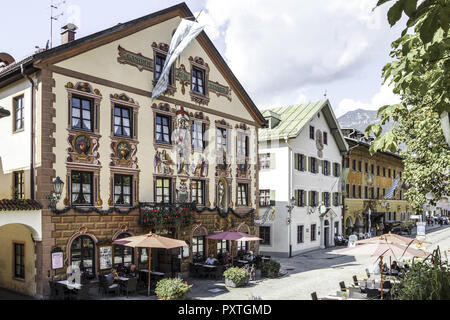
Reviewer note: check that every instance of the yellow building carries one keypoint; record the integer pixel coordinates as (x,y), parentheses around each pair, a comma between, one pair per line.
(374,187)
(83,112)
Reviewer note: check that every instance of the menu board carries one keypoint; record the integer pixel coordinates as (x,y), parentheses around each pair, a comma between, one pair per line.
(105,257)
(57,260)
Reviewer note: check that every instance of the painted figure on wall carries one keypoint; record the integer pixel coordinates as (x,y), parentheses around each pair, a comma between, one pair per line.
(181,137)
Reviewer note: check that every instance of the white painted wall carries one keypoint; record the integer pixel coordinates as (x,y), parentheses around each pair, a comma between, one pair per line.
(14,147)
(278,179)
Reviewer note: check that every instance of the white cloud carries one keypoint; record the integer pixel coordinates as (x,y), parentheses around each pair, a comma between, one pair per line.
(383,97)
(279,49)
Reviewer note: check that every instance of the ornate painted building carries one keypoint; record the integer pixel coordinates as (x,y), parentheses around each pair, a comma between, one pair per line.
(83,112)
(369,181)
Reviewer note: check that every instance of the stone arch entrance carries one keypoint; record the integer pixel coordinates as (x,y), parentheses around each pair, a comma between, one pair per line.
(17,258)
(82,250)
(348,226)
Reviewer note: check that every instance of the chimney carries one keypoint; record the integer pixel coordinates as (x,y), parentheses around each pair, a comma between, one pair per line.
(68,33)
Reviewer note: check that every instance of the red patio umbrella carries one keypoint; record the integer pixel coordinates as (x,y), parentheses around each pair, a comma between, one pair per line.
(233,235)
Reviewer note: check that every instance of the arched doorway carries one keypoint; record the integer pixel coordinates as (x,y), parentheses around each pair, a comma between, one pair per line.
(358,224)
(348,226)
(17,258)
(326,230)
(82,254)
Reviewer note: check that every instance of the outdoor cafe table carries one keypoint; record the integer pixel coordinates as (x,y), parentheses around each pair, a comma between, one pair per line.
(210,266)
(154,273)
(71,286)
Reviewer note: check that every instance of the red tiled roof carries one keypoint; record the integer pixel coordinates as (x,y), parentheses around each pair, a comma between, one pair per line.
(19,205)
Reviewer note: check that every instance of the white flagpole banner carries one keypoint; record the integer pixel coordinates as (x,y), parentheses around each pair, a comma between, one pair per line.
(186,32)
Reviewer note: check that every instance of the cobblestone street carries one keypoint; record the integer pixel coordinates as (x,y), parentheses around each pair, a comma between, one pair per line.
(317,271)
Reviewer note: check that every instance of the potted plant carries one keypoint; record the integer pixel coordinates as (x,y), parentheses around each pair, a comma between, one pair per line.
(172,289)
(236,277)
(270,268)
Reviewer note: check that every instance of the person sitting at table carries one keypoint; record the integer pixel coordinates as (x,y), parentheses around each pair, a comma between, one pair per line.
(113,276)
(211,260)
(227,258)
(395,268)
(133,272)
(250,257)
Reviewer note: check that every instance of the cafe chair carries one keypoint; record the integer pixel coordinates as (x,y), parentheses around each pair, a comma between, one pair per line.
(373,294)
(314,296)
(108,287)
(218,272)
(130,286)
(193,270)
(83,293)
(343,287)
(56,291)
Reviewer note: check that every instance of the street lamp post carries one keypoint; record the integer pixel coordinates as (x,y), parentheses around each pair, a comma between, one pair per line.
(290,206)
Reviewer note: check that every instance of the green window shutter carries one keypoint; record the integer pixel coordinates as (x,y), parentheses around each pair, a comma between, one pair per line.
(272,161)
(296,161)
(272,197)
(310,197)
(304,197)
(309,164)
(296,198)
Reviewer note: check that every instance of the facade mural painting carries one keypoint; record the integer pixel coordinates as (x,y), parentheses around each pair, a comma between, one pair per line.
(182,139)
(163,163)
(319,143)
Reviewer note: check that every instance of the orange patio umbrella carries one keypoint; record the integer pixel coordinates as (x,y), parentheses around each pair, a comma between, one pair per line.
(150,241)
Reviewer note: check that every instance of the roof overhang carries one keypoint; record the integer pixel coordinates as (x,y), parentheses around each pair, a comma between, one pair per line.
(4,113)
(334,127)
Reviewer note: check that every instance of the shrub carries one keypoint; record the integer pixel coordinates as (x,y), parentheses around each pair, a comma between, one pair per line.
(237,275)
(172,289)
(271,268)
(428,279)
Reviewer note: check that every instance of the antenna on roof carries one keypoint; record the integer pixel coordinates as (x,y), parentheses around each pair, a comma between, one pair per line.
(325,94)
(54,6)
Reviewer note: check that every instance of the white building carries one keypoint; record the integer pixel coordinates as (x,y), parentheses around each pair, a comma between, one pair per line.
(300,159)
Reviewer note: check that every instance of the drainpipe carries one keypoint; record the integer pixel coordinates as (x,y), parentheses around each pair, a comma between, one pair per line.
(290,194)
(32,131)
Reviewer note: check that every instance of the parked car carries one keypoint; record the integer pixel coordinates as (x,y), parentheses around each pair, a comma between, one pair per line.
(444,220)
(340,241)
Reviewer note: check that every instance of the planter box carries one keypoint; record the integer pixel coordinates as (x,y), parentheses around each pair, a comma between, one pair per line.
(231,284)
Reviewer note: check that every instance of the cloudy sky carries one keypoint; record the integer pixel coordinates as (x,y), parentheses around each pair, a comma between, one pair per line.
(284,52)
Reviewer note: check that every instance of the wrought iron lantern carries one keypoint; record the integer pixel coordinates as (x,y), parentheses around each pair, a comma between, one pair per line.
(58,186)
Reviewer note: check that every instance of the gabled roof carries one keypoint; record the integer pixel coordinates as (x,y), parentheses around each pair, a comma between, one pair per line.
(295,117)
(13,72)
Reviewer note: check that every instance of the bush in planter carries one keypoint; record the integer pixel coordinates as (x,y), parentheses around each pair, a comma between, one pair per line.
(237,276)
(271,268)
(172,289)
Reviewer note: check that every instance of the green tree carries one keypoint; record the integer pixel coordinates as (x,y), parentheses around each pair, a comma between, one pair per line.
(419,71)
